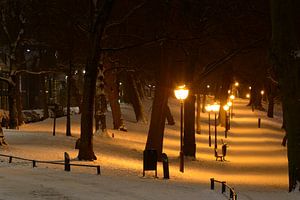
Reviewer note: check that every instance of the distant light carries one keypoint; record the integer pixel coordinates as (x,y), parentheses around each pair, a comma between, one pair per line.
(120,83)
(75,72)
(119,100)
(150,85)
(28,50)
(229,103)
(83,71)
(229,91)
(226,107)
(236,84)
(66,77)
(248,96)
(208,86)
(262,92)
(232,97)
(208,108)
(250,87)
(46,91)
(215,107)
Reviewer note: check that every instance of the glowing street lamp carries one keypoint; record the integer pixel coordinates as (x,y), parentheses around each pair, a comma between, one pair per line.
(208,108)
(215,109)
(236,84)
(181,93)
(247,95)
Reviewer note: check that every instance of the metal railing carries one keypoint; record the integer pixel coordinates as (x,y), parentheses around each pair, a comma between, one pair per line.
(67,163)
(232,194)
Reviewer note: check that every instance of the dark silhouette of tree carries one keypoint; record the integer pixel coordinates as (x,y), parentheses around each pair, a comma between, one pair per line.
(285,55)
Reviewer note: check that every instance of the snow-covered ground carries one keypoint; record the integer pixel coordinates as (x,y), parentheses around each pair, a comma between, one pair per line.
(256,163)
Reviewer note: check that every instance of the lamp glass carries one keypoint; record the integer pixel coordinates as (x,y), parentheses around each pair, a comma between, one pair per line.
(181,92)
(208,108)
(226,107)
(215,107)
(229,103)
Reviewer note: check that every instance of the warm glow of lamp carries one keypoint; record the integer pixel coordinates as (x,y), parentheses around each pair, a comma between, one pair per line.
(208,86)
(181,92)
(250,87)
(236,84)
(226,107)
(215,107)
(229,91)
(232,97)
(208,108)
(229,103)
(262,92)
(248,96)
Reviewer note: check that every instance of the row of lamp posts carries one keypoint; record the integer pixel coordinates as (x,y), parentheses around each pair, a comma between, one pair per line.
(181,93)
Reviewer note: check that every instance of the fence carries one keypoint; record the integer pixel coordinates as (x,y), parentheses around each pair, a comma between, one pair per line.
(67,163)
(232,194)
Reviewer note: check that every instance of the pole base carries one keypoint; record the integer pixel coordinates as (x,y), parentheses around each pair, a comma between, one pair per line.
(181,167)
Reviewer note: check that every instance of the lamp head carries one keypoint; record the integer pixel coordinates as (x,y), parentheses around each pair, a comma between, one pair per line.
(181,92)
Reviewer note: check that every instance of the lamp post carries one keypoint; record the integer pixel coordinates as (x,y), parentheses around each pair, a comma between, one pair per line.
(226,108)
(229,103)
(208,108)
(181,93)
(215,109)
(232,97)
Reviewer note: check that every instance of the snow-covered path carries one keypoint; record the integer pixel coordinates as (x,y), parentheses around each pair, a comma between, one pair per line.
(256,163)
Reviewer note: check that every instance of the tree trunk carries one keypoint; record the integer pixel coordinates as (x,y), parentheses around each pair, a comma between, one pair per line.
(159,106)
(256,97)
(135,98)
(100,102)
(198,119)
(189,147)
(44,98)
(68,123)
(169,116)
(12,104)
(101,15)
(285,45)
(19,100)
(112,91)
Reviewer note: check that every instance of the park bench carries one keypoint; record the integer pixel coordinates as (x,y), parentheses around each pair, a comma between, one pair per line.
(224,152)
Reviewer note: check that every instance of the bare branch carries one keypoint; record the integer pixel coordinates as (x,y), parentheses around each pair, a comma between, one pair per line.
(126,16)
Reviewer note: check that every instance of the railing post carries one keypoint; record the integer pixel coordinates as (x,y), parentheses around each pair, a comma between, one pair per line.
(10,159)
(223,187)
(33,163)
(212,183)
(259,122)
(67,162)
(98,170)
(230,194)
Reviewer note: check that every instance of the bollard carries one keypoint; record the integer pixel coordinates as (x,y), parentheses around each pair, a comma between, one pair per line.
(67,162)
(165,161)
(259,121)
(33,163)
(98,170)
(223,187)
(212,183)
